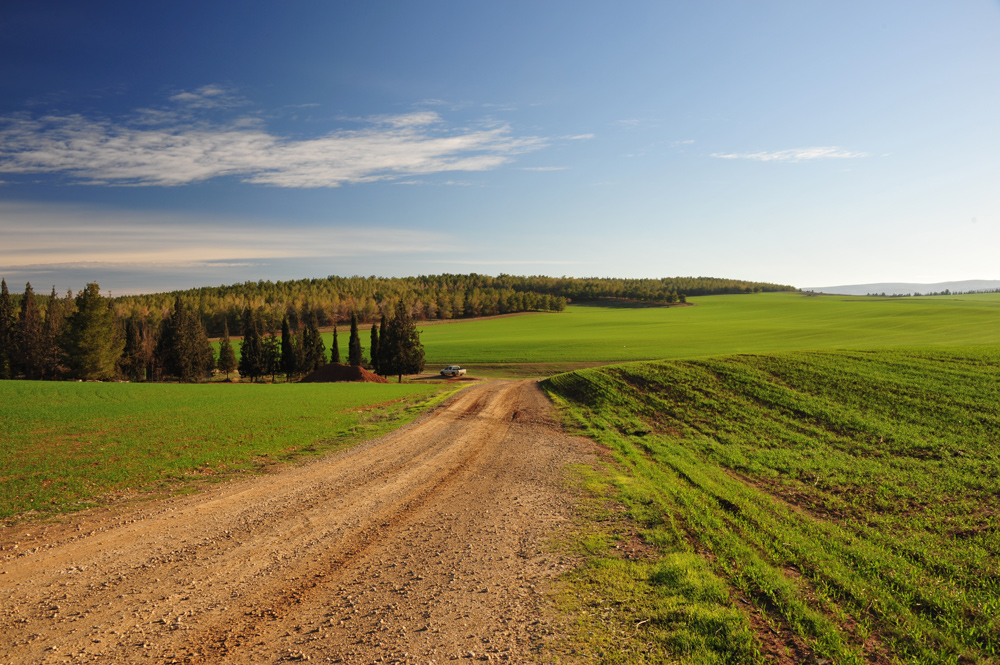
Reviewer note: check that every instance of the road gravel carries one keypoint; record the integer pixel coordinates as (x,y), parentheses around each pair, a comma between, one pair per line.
(428,545)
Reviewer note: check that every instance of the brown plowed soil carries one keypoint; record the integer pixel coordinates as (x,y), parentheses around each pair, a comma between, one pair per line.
(427,545)
(337,372)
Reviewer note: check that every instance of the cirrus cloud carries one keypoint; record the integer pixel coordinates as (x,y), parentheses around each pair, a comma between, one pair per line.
(175,150)
(795,154)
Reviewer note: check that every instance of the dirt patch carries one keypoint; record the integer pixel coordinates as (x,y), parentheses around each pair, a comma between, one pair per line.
(428,544)
(336,372)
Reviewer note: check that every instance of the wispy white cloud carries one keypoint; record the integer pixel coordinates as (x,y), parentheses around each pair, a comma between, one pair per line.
(209,97)
(795,154)
(38,235)
(167,147)
(684,142)
(579,137)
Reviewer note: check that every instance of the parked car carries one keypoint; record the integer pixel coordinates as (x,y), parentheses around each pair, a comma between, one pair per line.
(452,370)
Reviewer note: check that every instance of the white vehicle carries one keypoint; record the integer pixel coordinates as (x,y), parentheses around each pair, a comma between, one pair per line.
(452,370)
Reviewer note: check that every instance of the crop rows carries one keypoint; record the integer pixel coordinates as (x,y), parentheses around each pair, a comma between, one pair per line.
(851,496)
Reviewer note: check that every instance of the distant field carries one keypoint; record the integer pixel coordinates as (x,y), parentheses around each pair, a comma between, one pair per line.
(717,325)
(68,445)
(850,498)
(553,342)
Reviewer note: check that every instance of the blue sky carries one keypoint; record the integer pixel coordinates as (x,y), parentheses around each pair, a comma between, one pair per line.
(153,146)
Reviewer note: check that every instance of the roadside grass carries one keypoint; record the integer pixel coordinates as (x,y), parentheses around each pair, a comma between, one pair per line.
(850,498)
(66,446)
(638,597)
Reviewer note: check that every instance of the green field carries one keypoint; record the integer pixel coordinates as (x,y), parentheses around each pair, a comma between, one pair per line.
(850,498)
(716,325)
(547,342)
(64,446)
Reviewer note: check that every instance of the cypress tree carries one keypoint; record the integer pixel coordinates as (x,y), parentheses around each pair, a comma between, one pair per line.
(335,351)
(92,340)
(380,359)
(227,357)
(354,354)
(30,349)
(132,361)
(251,349)
(287,350)
(373,351)
(184,350)
(52,330)
(8,329)
(271,351)
(402,352)
(313,348)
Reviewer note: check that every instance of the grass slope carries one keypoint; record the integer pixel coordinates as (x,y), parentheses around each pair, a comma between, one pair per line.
(64,446)
(851,497)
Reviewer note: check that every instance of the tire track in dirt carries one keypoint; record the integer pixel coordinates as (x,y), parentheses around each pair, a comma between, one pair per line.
(423,545)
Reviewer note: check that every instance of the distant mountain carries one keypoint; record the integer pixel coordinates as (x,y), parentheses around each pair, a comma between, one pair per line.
(904,288)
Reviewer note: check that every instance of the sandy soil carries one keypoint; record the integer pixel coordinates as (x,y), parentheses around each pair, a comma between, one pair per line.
(427,545)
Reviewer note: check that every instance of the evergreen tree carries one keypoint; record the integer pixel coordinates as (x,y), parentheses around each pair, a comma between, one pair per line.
(184,350)
(313,348)
(92,341)
(227,357)
(380,360)
(132,363)
(335,351)
(30,342)
(354,353)
(251,349)
(8,332)
(52,331)
(373,351)
(271,350)
(288,354)
(402,352)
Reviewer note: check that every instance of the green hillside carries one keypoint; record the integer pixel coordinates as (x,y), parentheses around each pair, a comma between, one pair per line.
(716,325)
(851,498)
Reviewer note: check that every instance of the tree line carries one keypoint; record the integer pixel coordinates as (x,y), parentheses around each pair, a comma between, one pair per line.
(85,338)
(448,296)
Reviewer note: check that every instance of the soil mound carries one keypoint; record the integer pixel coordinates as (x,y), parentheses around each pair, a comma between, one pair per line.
(337,372)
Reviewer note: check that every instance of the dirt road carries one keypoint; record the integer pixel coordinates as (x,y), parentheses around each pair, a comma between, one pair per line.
(422,546)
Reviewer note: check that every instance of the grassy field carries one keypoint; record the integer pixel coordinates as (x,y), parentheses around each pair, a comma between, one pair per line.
(64,446)
(716,325)
(545,343)
(847,501)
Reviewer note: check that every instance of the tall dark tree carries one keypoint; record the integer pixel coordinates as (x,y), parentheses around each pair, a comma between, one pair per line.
(252,347)
(373,350)
(227,357)
(335,350)
(92,340)
(132,362)
(402,352)
(313,347)
(380,359)
(183,350)
(30,340)
(52,331)
(354,354)
(288,354)
(271,350)
(8,332)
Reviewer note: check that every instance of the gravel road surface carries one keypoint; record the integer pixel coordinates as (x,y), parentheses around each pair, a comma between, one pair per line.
(428,545)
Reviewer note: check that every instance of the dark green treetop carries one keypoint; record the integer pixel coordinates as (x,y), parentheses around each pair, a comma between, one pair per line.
(92,342)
